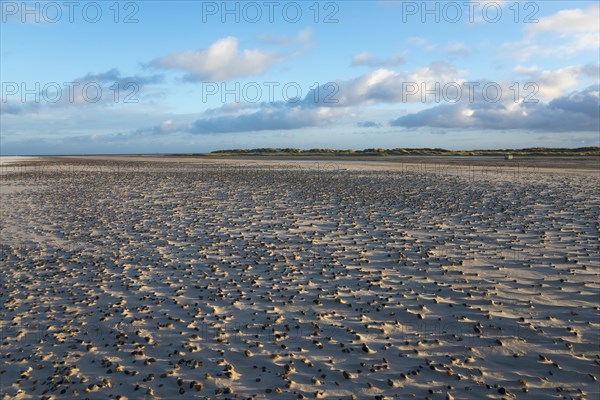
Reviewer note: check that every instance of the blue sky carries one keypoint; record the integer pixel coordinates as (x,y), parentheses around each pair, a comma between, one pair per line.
(192,76)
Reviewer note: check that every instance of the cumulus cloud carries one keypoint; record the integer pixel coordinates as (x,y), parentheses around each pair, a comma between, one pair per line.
(112,86)
(17,108)
(264,117)
(222,60)
(585,102)
(113,76)
(457,49)
(568,21)
(368,124)
(329,103)
(421,42)
(102,88)
(320,107)
(576,112)
(565,33)
(166,127)
(523,70)
(367,59)
(384,86)
(304,37)
(554,83)
(417,40)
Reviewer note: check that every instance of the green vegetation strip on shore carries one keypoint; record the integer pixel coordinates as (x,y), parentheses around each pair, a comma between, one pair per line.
(534,151)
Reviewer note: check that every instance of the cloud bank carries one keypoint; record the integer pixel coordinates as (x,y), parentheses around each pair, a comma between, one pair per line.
(578,111)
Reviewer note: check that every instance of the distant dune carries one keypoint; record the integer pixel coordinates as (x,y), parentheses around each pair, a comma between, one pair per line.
(534,151)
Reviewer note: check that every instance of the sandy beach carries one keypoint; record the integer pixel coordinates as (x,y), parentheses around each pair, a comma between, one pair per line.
(9,160)
(158,277)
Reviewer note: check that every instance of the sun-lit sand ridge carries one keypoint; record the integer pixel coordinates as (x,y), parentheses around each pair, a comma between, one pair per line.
(8,160)
(219,279)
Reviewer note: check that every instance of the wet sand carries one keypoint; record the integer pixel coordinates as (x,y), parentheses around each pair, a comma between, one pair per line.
(159,277)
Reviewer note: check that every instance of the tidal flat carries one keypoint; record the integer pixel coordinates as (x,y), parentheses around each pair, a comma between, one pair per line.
(159,277)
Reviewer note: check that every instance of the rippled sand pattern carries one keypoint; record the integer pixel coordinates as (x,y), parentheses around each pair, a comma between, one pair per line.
(229,280)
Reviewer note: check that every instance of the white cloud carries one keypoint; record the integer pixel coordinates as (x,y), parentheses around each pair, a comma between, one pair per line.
(523,70)
(568,21)
(220,61)
(565,33)
(109,88)
(304,37)
(387,86)
(417,40)
(367,59)
(457,49)
(264,117)
(479,5)
(576,112)
(168,126)
(368,124)
(421,42)
(379,86)
(555,83)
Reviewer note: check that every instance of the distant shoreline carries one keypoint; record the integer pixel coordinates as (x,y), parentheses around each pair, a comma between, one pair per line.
(423,152)
(593,151)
